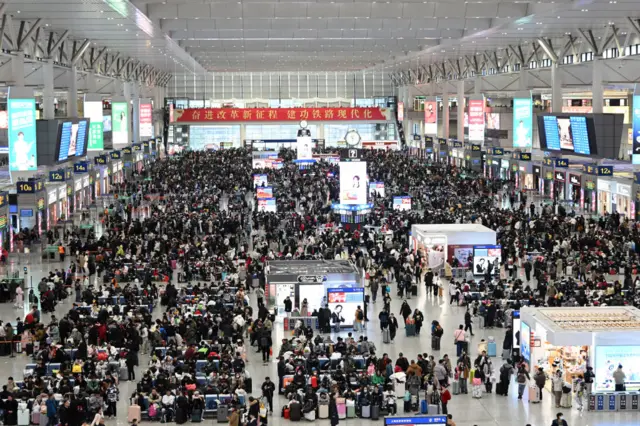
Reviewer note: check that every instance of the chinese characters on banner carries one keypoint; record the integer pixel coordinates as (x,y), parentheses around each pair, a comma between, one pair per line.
(476,119)
(146,121)
(280,114)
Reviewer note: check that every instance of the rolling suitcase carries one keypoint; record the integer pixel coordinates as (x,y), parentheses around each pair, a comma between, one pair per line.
(366,411)
(491,349)
(35,417)
(414,290)
(375,412)
(134,413)
(433,409)
(222,414)
(455,387)
(386,336)
(44,420)
(23,415)
(410,329)
(351,409)
(323,411)
(435,343)
(407,406)
(534,394)
(424,407)
(342,408)
(310,416)
(196,416)
(124,374)
(295,412)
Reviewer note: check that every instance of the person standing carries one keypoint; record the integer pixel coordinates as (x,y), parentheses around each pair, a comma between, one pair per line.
(393,327)
(374,289)
(418,318)
(618,377)
(52,411)
(556,386)
(268,389)
(333,411)
(357,320)
(265,345)
(234,418)
(522,378)
(559,421)
(459,340)
(589,376)
(540,378)
(445,397)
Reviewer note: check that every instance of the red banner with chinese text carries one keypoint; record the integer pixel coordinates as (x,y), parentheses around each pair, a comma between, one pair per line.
(280,114)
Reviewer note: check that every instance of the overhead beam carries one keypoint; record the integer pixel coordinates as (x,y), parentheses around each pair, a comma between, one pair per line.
(635,24)
(55,45)
(114,60)
(121,67)
(94,62)
(568,45)
(546,46)
(29,33)
(83,48)
(590,39)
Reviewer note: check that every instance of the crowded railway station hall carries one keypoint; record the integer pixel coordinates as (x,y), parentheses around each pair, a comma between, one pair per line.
(349,212)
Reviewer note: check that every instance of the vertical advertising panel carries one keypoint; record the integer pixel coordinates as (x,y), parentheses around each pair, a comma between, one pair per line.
(522,123)
(304,147)
(431,117)
(146,121)
(400,111)
(93,111)
(22,135)
(476,119)
(120,123)
(353,182)
(635,123)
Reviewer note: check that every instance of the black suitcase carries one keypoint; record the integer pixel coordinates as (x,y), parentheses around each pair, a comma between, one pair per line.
(295,412)
(435,343)
(375,412)
(196,416)
(407,406)
(248,385)
(414,290)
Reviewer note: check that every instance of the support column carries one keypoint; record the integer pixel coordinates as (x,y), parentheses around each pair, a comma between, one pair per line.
(72,93)
(596,88)
(48,95)
(127,89)
(17,69)
(461,108)
(556,89)
(523,82)
(445,111)
(135,98)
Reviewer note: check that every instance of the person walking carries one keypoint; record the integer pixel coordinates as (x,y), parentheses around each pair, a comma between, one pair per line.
(618,377)
(453,293)
(459,340)
(393,327)
(556,387)
(522,378)
(268,389)
(418,318)
(468,321)
(358,319)
(540,378)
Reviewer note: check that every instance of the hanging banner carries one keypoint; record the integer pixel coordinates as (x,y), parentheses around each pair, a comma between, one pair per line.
(93,111)
(146,121)
(281,114)
(635,157)
(22,135)
(431,117)
(120,123)
(522,121)
(400,111)
(476,119)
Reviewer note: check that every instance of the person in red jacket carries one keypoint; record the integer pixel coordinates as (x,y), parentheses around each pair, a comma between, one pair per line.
(445,397)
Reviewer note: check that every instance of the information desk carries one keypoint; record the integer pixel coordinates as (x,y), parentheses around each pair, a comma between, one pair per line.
(415,420)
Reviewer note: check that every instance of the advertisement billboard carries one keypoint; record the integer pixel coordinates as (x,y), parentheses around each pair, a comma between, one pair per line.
(525,342)
(430,118)
(304,147)
(402,202)
(486,259)
(400,111)
(353,182)
(22,135)
(476,120)
(146,121)
(260,180)
(264,192)
(522,123)
(93,111)
(120,123)
(376,188)
(267,205)
(344,302)
(635,125)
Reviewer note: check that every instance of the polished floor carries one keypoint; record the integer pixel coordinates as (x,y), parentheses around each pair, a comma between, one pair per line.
(466,411)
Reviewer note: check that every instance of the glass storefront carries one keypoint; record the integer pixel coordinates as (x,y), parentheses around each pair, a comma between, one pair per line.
(624,206)
(368,132)
(605,198)
(212,137)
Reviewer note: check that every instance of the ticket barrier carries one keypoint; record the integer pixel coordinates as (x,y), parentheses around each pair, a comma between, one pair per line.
(614,401)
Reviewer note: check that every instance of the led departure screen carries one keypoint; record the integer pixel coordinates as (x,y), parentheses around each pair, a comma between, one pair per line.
(566,133)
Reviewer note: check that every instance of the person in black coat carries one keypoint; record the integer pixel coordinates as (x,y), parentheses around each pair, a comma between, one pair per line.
(131,361)
(182,408)
(10,411)
(333,411)
(65,413)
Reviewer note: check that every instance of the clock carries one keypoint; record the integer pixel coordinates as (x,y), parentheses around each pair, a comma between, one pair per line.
(352,138)
(303,124)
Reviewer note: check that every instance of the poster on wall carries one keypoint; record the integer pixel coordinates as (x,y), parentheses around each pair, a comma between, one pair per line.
(304,148)
(93,111)
(400,111)
(525,341)
(260,180)
(353,182)
(120,123)
(267,205)
(515,329)
(486,259)
(22,135)
(522,122)
(431,117)
(146,121)
(607,360)
(635,124)
(344,302)
(476,120)
(402,202)
(461,253)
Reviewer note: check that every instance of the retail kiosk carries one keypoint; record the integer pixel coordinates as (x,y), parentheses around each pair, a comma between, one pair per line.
(312,280)
(572,338)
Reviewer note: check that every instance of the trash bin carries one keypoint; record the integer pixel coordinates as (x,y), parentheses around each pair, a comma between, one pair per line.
(594,401)
(633,401)
(611,401)
(624,401)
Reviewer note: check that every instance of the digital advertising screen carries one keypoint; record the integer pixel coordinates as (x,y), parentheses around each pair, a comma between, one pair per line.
(267,205)
(415,420)
(264,192)
(607,360)
(571,134)
(635,130)
(22,135)
(106,123)
(476,120)
(345,301)
(493,120)
(353,182)
(431,117)
(522,123)
(120,123)
(525,341)
(486,258)
(400,111)
(402,202)
(146,121)
(515,328)
(260,180)
(93,111)
(72,139)
(304,148)
(377,188)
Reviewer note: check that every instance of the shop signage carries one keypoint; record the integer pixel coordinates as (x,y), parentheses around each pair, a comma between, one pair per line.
(90,180)
(504,164)
(69,190)
(77,185)
(85,181)
(495,162)
(548,175)
(604,185)
(26,187)
(525,156)
(137,148)
(100,160)
(468,157)
(41,204)
(457,144)
(3,222)
(442,141)
(115,155)
(417,138)
(598,170)
(312,279)
(590,184)
(126,150)
(283,114)
(624,190)
(559,176)
(80,167)
(475,147)
(562,162)
(498,151)
(351,154)
(428,139)
(514,167)
(67,174)
(56,176)
(574,180)
(547,162)
(145,144)
(4,197)
(51,196)
(400,111)
(536,170)
(62,191)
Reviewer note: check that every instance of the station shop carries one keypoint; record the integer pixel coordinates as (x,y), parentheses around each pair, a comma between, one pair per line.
(570,339)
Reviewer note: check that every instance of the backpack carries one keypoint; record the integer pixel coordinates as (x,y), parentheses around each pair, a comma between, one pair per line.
(439,331)
(360,315)
(264,342)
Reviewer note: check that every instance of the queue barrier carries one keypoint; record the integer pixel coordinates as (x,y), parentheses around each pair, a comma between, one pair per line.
(289,323)
(613,401)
